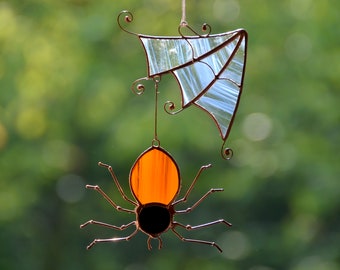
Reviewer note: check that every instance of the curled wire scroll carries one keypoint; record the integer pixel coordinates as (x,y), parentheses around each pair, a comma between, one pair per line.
(124,17)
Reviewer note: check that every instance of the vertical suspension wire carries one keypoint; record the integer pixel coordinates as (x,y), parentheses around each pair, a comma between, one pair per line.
(183,19)
(155,141)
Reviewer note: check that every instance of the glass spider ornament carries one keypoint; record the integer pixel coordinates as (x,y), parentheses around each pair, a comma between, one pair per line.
(155,183)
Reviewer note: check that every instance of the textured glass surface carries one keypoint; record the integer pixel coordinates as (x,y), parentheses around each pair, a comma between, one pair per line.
(220,101)
(208,69)
(193,80)
(155,177)
(166,54)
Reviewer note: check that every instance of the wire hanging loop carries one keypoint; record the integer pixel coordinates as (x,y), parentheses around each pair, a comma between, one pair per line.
(206,29)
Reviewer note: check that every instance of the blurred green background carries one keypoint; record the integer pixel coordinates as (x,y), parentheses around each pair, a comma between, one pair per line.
(65,103)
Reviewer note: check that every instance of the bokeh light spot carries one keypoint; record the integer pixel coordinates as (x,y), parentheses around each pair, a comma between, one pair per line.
(3,136)
(298,47)
(226,10)
(302,228)
(31,123)
(257,126)
(301,9)
(62,155)
(235,245)
(32,85)
(314,263)
(70,188)
(7,21)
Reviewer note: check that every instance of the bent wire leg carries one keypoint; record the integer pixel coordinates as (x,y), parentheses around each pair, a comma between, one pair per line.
(190,189)
(192,184)
(106,197)
(160,243)
(115,179)
(190,227)
(213,244)
(189,209)
(117,239)
(120,228)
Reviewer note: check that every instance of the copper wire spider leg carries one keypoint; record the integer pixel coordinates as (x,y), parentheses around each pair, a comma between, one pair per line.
(213,244)
(184,199)
(189,209)
(115,179)
(120,228)
(106,197)
(118,208)
(160,243)
(189,228)
(127,238)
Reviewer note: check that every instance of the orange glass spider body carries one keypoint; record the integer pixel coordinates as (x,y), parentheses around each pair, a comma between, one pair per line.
(155,184)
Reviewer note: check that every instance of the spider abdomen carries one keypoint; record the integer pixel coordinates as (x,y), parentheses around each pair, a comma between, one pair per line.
(154,219)
(154,178)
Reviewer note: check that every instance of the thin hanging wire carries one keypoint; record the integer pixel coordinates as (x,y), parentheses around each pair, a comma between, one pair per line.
(155,141)
(184,19)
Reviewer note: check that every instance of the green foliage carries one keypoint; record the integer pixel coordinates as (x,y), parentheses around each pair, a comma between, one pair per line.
(65,103)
